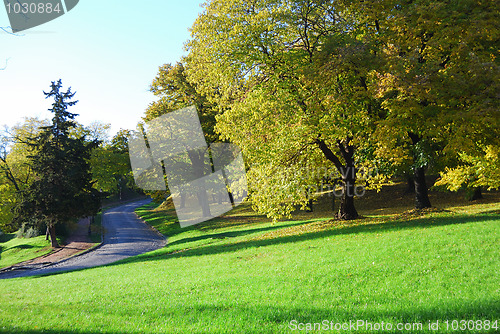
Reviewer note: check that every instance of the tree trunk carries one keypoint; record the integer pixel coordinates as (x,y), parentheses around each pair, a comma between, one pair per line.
(91,222)
(183,200)
(53,238)
(333,201)
(203,200)
(309,206)
(410,185)
(475,194)
(421,194)
(200,169)
(347,211)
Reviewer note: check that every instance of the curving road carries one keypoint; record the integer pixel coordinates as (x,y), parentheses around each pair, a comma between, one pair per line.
(125,235)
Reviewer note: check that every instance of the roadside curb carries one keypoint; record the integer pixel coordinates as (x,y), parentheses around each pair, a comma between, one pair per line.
(77,254)
(153,228)
(96,246)
(102,237)
(28,265)
(27,262)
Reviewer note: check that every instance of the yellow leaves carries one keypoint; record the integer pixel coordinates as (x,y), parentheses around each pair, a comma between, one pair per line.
(492,153)
(454,178)
(475,171)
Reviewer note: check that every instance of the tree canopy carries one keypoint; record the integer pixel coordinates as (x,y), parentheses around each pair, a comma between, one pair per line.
(295,78)
(61,189)
(345,84)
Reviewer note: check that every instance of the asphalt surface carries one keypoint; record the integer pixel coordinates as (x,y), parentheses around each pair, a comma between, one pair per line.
(125,235)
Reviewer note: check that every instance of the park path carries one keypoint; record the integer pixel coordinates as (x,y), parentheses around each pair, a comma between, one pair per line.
(125,235)
(77,242)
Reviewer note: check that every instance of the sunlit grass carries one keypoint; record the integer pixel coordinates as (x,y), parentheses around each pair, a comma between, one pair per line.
(236,275)
(14,250)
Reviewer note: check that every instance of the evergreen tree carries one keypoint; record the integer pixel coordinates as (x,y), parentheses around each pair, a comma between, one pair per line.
(62,188)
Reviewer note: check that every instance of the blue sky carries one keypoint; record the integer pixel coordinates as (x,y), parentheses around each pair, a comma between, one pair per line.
(107,51)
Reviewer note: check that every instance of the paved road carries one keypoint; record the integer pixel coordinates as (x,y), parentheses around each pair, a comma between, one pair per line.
(125,235)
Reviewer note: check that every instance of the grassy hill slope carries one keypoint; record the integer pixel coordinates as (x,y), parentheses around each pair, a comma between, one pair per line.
(242,273)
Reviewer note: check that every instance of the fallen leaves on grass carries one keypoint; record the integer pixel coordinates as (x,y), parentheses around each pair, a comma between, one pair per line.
(417,213)
(316,226)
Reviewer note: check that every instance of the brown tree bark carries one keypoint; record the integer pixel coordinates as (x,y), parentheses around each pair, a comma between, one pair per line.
(421,193)
(53,238)
(421,190)
(475,194)
(347,210)
(198,163)
(410,185)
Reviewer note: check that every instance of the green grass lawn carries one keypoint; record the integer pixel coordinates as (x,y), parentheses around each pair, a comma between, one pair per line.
(241,273)
(14,250)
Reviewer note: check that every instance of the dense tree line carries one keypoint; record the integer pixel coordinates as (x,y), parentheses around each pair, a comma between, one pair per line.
(313,91)
(54,172)
(404,87)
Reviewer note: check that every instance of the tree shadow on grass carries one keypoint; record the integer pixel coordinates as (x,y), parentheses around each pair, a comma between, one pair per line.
(490,212)
(221,235)
(165,219)
(7,237)
(222,248)
(22,247)
(425,222)
(169,226)
(234,234)
(268,317)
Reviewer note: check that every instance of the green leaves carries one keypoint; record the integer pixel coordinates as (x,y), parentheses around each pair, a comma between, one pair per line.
(15,171)
(109,169)
(61,189)
(376,74)
(474,171)
(176,91)
(285,73)
(439,72)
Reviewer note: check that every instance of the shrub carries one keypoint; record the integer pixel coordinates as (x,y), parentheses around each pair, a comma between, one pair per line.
(28,231)
(32,232)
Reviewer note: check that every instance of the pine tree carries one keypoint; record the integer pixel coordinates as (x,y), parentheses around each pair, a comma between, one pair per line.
(62,189)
